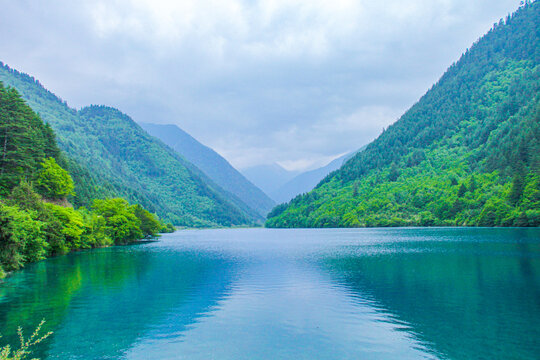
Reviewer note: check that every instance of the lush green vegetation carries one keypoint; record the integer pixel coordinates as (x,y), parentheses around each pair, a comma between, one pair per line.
(468,153)
(111,156)
(25,344)
(53,181)
(36,217)
(25,140)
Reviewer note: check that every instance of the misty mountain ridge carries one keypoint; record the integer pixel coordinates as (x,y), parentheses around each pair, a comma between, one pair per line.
(283,185)
(212,164)
(268,177)
(307,180)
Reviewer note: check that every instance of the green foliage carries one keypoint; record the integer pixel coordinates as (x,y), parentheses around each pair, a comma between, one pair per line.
(70,225)
(24,196)
(150,225)
(95,232)
(24,140)
(462,190)
(517,189)
(37,229)
(7,353)
(21,238)
(467,154)
(122,225)
(167,228)
(53,182)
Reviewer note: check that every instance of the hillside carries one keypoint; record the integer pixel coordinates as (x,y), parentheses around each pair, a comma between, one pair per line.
(212,164)
(123,160)
(467,153)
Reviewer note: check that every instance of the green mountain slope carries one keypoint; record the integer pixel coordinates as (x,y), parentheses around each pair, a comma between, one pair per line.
(123,160)
(213,165)
(467,153)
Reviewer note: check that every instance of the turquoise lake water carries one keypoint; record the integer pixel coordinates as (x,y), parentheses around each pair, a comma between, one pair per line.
(439,293)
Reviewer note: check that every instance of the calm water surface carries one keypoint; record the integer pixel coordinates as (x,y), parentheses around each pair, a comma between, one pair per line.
(288,294)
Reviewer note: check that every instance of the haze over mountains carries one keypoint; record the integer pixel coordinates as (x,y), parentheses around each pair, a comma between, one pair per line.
(269,177)
(307,180)
(282,185)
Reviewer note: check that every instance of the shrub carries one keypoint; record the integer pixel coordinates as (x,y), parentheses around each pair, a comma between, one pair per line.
(53,182)
(7,353)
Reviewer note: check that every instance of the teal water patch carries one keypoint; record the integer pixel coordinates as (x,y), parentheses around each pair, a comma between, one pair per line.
(279,294)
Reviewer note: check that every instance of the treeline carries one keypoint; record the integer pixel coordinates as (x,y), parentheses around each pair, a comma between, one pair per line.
(467,154)
(36,217)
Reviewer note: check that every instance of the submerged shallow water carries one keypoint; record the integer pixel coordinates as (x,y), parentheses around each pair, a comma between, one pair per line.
(444,293)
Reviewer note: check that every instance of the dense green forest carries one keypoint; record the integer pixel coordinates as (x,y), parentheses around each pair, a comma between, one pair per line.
(113,156)
(467,153)
(36,217)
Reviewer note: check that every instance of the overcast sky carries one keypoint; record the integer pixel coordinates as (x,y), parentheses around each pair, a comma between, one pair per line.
(287,81)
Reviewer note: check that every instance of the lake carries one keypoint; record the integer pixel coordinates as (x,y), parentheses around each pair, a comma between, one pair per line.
(404,293)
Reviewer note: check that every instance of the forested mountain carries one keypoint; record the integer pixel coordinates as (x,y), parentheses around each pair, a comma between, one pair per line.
(268,177)
(118,158)
(467,153)
(306,181)
(212,164)
(36,217)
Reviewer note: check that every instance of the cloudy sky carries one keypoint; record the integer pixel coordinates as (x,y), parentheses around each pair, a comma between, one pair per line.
(287,81)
